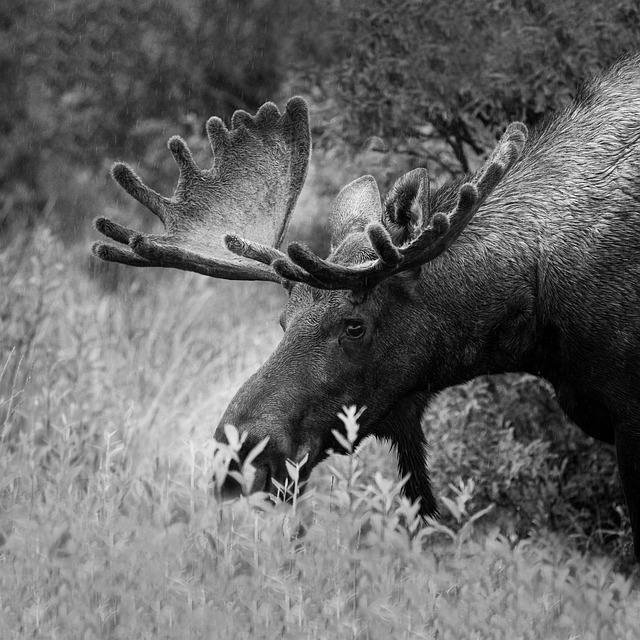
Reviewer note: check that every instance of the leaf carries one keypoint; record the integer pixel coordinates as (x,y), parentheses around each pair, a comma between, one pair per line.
(482,512)
(233,436)
(293,470)
(453,508)
(344,443)
(257,450)
(349,417)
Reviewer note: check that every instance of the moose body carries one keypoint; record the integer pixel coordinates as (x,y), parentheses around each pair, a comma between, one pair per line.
(535,269)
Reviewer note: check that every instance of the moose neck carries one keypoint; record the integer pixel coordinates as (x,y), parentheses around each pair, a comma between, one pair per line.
(482,298)
(510,285)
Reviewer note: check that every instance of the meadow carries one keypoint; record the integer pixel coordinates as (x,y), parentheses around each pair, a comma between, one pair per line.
(111,526)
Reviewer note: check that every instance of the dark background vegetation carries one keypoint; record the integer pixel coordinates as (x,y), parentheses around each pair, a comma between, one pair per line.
(87,82)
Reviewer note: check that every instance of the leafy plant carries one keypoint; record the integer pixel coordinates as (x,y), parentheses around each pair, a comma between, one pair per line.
(111,526)
(439,80)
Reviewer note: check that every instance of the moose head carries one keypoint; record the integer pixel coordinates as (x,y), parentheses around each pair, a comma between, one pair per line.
(367,326)
(534,273)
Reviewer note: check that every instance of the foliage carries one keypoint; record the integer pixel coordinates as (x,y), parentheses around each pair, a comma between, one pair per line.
(419,73)
(109,521)
(85,80)
(85,83)
(508,434)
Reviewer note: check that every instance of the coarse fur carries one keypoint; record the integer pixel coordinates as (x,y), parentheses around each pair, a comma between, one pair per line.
(545,279)
(531,265)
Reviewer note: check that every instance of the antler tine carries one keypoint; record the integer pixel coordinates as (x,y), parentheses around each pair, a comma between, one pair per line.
(293,273)
(252,250)
(516,133)
(114,230)
(326,272)
(112,253)
(127,178)
(442,231)
(383,245)
(390,258)
(506,152)
(259,167)
(163,255)
(187,167)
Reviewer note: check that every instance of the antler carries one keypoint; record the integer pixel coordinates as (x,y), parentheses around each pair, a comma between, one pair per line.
(258,172)
(302,265)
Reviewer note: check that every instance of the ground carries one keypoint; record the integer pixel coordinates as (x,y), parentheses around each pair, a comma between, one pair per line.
(110,526)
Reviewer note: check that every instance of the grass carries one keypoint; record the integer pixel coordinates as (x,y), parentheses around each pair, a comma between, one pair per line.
(110,526)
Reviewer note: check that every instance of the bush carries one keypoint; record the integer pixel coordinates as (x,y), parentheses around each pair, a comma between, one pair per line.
(109,521)
(89,81)
(509,435)
(456,72)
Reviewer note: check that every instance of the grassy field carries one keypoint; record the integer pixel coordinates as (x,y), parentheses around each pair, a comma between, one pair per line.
(110,528)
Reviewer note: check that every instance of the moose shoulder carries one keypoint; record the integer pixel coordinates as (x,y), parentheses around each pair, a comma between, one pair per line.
(531,265)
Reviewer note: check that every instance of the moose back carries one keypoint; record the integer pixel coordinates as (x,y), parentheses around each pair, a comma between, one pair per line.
(532,264)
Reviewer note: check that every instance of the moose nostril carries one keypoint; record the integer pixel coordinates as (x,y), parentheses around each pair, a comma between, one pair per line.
(262,479)
(230,489)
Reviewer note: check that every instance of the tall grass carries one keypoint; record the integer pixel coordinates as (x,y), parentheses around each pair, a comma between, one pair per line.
(109,522)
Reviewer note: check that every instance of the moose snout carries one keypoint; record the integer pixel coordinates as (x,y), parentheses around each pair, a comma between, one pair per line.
(232,488)
(279,468)
(272,432)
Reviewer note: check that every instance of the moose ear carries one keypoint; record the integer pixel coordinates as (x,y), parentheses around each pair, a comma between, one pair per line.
(357,205)
(406,206)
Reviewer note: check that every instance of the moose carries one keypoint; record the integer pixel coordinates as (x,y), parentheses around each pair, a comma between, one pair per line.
(532,264)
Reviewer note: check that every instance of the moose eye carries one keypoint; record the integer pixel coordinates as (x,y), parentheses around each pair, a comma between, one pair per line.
(354,329)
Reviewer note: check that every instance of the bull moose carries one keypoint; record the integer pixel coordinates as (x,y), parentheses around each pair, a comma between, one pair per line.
(532,264)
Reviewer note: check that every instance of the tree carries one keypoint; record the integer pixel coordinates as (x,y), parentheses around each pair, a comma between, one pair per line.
(457,70)
(85,81)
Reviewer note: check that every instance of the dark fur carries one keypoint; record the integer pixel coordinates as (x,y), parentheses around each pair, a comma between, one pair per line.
(545,279)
